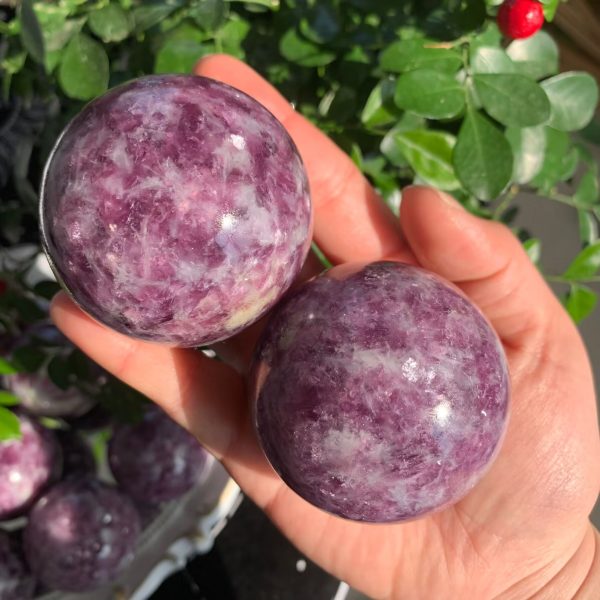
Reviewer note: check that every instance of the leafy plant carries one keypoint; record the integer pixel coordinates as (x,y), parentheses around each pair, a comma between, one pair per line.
(415,91)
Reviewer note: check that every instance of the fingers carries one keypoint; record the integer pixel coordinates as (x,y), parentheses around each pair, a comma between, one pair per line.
(483,257)
(352,223)
(203,395)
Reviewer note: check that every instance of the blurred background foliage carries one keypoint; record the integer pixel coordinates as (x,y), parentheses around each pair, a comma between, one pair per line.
(415,91)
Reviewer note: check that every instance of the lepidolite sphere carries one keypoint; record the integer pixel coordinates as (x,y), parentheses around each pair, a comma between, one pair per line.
(381,393)
(27,466)
(16,582)
(156,460)
(80,535)
(176,209)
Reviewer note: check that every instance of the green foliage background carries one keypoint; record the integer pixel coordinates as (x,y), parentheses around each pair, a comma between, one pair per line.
(414,90)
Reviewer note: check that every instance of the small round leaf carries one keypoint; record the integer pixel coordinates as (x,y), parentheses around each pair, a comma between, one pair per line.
(536,57)
(513,99)
(574,97)
(83,72)
(482,157)
(110,23)
(528,146)
(430,94)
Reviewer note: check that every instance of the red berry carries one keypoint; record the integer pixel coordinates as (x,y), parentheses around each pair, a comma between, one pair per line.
(3,287)
(519,19)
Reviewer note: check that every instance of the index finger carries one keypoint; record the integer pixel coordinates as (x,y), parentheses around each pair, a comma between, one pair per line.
(352,222)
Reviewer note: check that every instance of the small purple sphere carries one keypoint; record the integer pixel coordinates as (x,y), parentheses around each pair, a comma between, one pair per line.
(381,392)
(156,460)
(80,535)
(41,397)
(16,583)
(27,466)
(176,209)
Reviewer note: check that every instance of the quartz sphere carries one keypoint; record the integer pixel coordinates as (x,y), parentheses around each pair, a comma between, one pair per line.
(175,209)
(27,466)
(381,392)
(80,535)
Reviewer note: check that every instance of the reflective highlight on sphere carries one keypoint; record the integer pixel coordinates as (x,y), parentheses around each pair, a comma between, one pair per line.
(381,392)
(176,209)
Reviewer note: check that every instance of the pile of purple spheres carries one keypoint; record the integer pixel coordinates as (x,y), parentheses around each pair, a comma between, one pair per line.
(381,392)
(176,209)
(16,582)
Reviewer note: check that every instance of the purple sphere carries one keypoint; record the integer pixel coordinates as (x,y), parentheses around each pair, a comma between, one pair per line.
(80,535)
(41,397)
(381,392)
(176,209)
(16,583)
(156,460)
(27,466)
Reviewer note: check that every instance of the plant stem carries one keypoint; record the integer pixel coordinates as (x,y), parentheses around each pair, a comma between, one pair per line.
(506,202)
(567,281)
(568,200)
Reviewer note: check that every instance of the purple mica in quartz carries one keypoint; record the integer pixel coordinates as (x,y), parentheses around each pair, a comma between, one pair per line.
(16,583)
(176,209)
(156,460)
(27,466)
(381,392)
(80,535)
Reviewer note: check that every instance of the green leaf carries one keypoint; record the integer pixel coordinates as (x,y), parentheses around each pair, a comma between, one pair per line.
(209,14)
(180,56)
(380,109)
(408,55)
(550,8)
(389,148)
(232,34)
(8,399)
(46,289)
(533,247)
(581,302)
(588,190)
(57,29)
(528,146)
(10,427)
(28,358)
(588,227)
(574,97)
(536,57)
(430,94)
(321,26)
(7,368)
(302,52)
(83,72)
(482,157)
(31,32)
(559,160)
(513,99)
(59,372)
(110,23)
(270,4)
(145,17)
(429,153)
(586,264)
(485,59)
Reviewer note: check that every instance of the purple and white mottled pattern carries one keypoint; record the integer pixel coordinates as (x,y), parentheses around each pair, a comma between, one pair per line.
(381,393)
(80,535)
(176,209)
(16,583)
(41,397)
(156,460)
(27,466)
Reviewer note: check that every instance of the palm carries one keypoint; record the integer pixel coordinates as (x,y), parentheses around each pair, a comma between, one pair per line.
(528,511)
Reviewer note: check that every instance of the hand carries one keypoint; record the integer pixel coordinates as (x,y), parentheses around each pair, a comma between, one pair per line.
(524,529)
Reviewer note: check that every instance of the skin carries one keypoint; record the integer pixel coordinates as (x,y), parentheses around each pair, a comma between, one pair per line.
(523,532)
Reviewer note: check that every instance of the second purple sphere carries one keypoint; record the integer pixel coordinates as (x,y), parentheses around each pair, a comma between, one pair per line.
(176,209)
(381,392)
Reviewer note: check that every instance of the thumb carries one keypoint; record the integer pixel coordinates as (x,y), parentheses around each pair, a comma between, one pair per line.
(483,258)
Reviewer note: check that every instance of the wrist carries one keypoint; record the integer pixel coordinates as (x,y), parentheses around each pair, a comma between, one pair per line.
(579,579)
